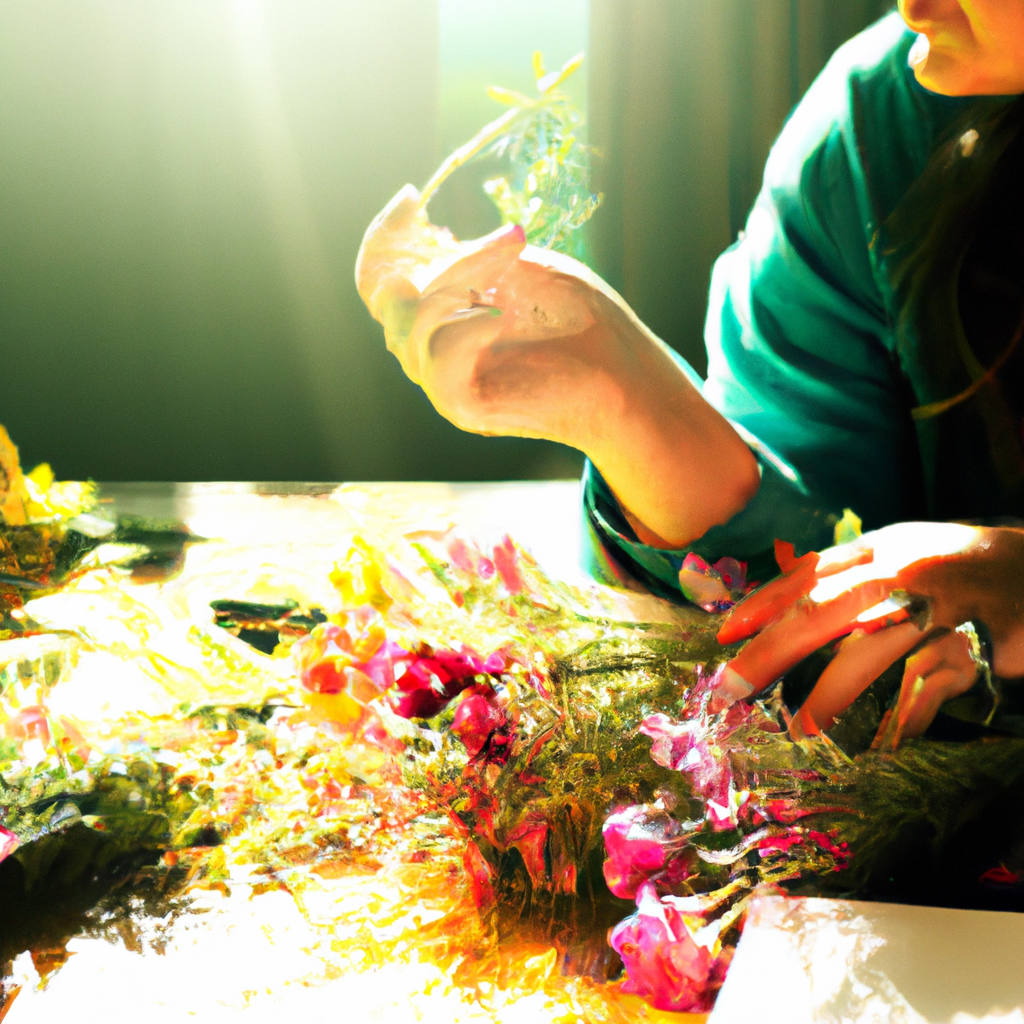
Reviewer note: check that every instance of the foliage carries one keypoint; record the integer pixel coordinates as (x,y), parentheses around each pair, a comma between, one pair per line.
(565,764)
(547,190)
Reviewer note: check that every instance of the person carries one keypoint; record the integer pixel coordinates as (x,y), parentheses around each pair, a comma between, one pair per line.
(863,340)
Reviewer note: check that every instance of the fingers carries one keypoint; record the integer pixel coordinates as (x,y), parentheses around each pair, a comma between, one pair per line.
(454,298)
(766,603)
(801,576)
(450,370)
(845,556)
(482,267)
(408,337)
(940,671)
(393,226)
(799,632)
(861,659)
(882,554)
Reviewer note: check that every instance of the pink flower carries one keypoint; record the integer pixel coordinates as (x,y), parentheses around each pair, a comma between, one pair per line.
(356,658)
(506,561)
(673,740)
(643,843)
(324,655)
(733,573)
(468,558)
(702,585)
(8,843)
(431,680)
(715,588)
(669,955)
(387,662)
(690,747)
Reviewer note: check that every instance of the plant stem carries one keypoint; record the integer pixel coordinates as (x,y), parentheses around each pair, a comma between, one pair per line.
(480,141)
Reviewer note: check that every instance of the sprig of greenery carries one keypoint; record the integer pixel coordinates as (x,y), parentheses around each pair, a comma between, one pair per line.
(547,191)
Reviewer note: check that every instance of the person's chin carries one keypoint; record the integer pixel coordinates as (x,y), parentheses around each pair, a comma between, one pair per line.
(952,76)
(946,75)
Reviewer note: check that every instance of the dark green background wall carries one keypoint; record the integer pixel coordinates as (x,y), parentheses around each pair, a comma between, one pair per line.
(184,183)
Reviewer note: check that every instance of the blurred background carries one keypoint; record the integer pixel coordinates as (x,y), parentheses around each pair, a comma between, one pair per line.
(184,185)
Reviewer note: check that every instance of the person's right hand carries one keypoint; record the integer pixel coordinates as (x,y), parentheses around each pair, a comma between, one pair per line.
(503,337)
(509,339)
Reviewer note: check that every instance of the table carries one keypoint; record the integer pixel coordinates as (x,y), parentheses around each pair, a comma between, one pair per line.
(258,958)
(802,961)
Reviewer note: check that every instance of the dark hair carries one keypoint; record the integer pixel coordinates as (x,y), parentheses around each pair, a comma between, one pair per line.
(928,237)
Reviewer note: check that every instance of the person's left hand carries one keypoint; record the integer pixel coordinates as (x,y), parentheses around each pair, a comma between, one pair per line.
(953,573)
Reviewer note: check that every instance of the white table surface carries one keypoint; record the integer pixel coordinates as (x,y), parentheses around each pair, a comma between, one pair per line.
(805,961)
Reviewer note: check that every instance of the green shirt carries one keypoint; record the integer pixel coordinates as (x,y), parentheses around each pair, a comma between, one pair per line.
(811,350)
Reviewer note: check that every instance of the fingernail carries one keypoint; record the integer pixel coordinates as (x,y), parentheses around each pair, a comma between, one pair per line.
(804,725)
(472,313)
(731,686)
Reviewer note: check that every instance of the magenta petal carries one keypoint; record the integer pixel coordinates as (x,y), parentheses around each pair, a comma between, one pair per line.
(733,573)
(663,962)
(476,719)
(430,682)
(8,843)
(673,740)
(494,665)
(703,585)
(638,841)
(687,747)
(381,668)
(416,703)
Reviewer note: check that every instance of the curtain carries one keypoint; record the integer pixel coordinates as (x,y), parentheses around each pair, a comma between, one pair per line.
(685,100)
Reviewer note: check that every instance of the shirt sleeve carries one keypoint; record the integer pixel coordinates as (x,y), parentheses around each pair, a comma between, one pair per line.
(799,357)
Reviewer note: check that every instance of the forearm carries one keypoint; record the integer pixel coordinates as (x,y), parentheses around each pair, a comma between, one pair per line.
(675,464)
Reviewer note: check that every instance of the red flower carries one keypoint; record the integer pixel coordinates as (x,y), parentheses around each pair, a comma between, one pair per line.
(479,873)
(431,680)
(506,561)
(356,658)
(482,725)
(530,837)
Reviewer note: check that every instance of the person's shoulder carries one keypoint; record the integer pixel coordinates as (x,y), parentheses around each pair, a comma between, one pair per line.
(870,68)
(867,111)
